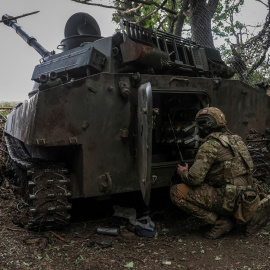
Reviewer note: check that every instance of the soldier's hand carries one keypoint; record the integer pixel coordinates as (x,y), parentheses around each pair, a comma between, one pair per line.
(181,168)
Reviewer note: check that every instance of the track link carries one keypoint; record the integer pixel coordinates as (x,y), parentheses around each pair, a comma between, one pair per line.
(3,150)
(45,188)
(48,197)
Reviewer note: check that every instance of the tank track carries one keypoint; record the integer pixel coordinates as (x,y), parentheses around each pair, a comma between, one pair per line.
(44,185)
(3,150)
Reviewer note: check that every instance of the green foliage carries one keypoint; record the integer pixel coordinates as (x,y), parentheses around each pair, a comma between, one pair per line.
(159,20)
(223,24)
(6,104)
(261,75)
(79,259)
(4,112)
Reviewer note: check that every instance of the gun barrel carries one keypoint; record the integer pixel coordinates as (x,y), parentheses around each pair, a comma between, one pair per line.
(31,41)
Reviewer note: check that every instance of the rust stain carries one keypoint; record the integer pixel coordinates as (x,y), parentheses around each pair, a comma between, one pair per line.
(179,85)
(56,117)
(132,51)
(51,119)
(73,130)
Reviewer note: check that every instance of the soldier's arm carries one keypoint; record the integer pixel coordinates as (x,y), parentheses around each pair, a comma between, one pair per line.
(205,157)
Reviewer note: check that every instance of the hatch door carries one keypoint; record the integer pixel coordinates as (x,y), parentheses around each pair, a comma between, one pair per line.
(144,150)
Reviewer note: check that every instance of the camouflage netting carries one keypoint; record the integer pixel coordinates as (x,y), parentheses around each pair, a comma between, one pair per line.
(200,17)
(248,56)
(251,55)
(259,147)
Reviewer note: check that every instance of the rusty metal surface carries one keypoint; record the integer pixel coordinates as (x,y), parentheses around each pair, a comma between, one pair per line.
(60,116)
(245,107)
(132,51)
(82,124)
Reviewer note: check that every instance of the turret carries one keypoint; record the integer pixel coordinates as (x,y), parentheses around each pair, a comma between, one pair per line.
(79,57)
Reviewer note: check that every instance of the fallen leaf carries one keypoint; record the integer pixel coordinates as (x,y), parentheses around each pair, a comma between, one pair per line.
(31,241)
(129,265)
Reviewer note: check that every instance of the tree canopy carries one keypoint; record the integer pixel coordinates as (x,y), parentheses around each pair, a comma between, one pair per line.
(243,46)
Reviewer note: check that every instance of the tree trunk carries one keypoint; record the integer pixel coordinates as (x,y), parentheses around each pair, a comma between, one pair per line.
(181,18)
(200,15)
(171,17)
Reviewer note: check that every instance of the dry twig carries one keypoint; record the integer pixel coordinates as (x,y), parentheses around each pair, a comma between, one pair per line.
(59,237)
(12,229)
(135,259)
(98,5)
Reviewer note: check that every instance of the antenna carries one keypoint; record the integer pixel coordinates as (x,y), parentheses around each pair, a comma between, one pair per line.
(17,17)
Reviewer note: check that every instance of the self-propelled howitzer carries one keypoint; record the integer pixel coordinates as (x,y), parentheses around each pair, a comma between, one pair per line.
(96,123)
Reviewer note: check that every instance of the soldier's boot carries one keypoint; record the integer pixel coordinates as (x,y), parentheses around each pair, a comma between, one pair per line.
(221,227)
(260,218)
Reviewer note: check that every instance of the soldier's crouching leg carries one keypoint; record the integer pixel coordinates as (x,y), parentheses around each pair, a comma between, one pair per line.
(184,197)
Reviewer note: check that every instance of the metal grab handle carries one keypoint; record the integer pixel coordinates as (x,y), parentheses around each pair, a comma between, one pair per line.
(105,182)
(186,81)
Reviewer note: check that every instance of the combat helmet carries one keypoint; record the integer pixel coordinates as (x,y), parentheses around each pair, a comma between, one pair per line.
(210,118)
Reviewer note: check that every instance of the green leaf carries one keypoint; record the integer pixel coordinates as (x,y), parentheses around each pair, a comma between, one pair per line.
(129,265)
(39,257)
(218,258)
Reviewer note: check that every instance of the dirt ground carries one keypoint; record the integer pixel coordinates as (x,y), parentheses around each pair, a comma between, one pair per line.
(178,243)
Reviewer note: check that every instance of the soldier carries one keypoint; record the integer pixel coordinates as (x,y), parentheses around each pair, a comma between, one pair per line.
(219,188)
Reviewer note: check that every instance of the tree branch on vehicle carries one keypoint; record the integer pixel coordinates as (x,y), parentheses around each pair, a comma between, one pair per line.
(153,12)
(181,18)
(130,11)
(86,2)
(149,3)
(262,3)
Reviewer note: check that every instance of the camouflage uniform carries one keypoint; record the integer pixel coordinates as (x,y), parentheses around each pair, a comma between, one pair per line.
(222,168)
